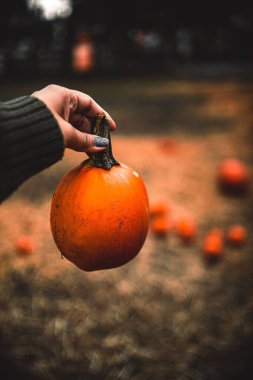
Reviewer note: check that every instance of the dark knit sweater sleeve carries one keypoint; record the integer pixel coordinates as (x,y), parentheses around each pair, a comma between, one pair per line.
(30,141)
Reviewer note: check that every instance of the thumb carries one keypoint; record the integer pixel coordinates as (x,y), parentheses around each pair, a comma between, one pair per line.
(85,142)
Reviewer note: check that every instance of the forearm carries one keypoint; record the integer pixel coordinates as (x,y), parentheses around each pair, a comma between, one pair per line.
(30,141)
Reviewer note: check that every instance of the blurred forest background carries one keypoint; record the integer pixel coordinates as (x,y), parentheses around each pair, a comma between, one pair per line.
(39,37)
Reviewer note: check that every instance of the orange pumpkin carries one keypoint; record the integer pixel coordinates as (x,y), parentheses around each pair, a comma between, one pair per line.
(159,208)
(24,245)
(213,244)
(237,235)
(160,226)
(168,145)
(99,211)
(186,228)
(233,175)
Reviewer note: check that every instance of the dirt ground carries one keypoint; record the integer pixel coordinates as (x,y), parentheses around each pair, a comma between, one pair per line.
(167,314)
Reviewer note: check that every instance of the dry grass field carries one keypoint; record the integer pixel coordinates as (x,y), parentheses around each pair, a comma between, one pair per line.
(168,314)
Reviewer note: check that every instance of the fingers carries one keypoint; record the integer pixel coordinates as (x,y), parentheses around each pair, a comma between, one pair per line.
(83,142)
(65,103)
(87,106)
(80,122)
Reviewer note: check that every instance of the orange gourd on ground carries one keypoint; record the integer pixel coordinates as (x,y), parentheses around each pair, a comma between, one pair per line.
(24,245)
(99,211)
(186,228)
(168,146)
(160,226)
(237,235)
(213,244)
(158,209)
(233,175)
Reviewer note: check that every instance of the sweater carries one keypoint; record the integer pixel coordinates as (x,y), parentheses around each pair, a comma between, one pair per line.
(30,141)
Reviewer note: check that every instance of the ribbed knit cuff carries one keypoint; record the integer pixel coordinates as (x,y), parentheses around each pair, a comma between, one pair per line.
(30,141)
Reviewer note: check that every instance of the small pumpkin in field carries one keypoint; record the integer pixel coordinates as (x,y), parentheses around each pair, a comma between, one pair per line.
(99,211)
(158,209)
(237,235)
(233,175)
(160,226)
(168,145)
(24,245)
(213,244)
(186,228)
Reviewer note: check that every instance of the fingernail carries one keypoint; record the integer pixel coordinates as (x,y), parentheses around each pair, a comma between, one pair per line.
(101,141)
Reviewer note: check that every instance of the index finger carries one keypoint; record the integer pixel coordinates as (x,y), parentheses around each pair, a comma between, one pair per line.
(86,105)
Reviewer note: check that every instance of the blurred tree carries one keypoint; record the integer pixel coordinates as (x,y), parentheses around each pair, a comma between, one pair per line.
(216,32)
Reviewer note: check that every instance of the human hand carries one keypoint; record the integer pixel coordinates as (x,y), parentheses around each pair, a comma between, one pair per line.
(74,112)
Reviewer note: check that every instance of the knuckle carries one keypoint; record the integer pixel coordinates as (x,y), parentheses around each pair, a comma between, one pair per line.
(73,102)
(86,140)
(53,86)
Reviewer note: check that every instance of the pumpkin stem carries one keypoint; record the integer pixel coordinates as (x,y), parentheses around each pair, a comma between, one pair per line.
(105,160)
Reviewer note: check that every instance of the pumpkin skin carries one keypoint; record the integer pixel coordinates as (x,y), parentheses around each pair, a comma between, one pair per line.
(186,228)
(233,176)
(213,245)
(24,245)
(99,218)
(160,226)
(158,209)
(237,235)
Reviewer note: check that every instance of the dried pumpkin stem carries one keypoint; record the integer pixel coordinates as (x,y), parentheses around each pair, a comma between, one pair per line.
(105,160)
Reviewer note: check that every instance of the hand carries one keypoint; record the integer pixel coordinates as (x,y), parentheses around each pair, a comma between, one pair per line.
(74,111)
